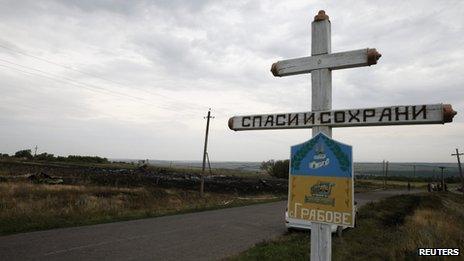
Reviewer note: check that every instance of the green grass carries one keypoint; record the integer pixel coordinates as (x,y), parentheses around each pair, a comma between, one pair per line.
(391,229)
(372,185)
(27,207)
(293,246)
(397,183)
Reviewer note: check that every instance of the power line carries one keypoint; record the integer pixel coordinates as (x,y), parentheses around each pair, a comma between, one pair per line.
(196,106)
(36,74)
(47,73)
(56,77)
(57,64)
(85,86)
(66,78)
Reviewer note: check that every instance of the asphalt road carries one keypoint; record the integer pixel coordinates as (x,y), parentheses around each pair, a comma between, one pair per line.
(209,235)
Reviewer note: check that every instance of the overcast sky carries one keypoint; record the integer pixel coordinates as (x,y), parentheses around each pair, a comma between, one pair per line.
(134,79)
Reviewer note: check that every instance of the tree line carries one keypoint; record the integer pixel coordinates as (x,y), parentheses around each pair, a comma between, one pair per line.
(27,155)
(276,168)
(280,168)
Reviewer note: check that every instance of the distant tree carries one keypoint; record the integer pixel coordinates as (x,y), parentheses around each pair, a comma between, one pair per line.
(4,155)
(278,168)
(60,158)
(23,154)
(45,157)
(87,159)
(50,157)
(267,166)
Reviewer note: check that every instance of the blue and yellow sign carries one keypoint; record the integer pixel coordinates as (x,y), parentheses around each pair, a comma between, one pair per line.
(321,182)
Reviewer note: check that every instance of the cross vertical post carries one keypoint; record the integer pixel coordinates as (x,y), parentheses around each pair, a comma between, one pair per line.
(321,100)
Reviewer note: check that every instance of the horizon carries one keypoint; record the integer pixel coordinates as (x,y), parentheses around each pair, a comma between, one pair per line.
(200,161)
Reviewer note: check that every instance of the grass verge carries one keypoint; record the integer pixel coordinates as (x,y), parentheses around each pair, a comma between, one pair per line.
(392,229)
(27,207)
(366,185)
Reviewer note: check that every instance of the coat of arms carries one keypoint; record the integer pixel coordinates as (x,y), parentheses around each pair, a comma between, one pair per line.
(320,193)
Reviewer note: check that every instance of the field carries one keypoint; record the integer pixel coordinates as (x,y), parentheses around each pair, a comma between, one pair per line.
(392,229)
(131,175)
(366,185)
(97,193)
(27,207)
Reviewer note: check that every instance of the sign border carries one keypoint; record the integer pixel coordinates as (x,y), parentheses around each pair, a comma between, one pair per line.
(353,214)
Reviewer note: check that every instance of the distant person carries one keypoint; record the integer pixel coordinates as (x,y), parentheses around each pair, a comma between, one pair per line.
(409,186)
(429,187)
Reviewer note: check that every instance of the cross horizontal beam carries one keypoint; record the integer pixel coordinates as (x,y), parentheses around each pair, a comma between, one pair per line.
(379,116)
(333,61)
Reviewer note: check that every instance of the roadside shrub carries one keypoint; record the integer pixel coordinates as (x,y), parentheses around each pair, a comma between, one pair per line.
(278,168)
(44,156)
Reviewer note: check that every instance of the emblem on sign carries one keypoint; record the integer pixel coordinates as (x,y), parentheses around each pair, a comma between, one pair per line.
(320,194)
(320,159)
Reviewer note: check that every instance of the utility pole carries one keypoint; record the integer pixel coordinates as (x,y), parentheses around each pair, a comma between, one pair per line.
(35,150)
(202,183)
(442,178)
(458,156)
(384,175)
(209,164)
(413,176)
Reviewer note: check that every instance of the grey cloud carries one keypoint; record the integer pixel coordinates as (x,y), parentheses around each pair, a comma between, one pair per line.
(116,6)
(199,53)
(173,5)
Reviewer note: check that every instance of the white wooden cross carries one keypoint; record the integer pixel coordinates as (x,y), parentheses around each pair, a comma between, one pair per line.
(321,118)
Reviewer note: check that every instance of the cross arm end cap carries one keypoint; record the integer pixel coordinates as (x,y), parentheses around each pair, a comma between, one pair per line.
(274,70)
(448,113)
(372,56)
(231,123)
